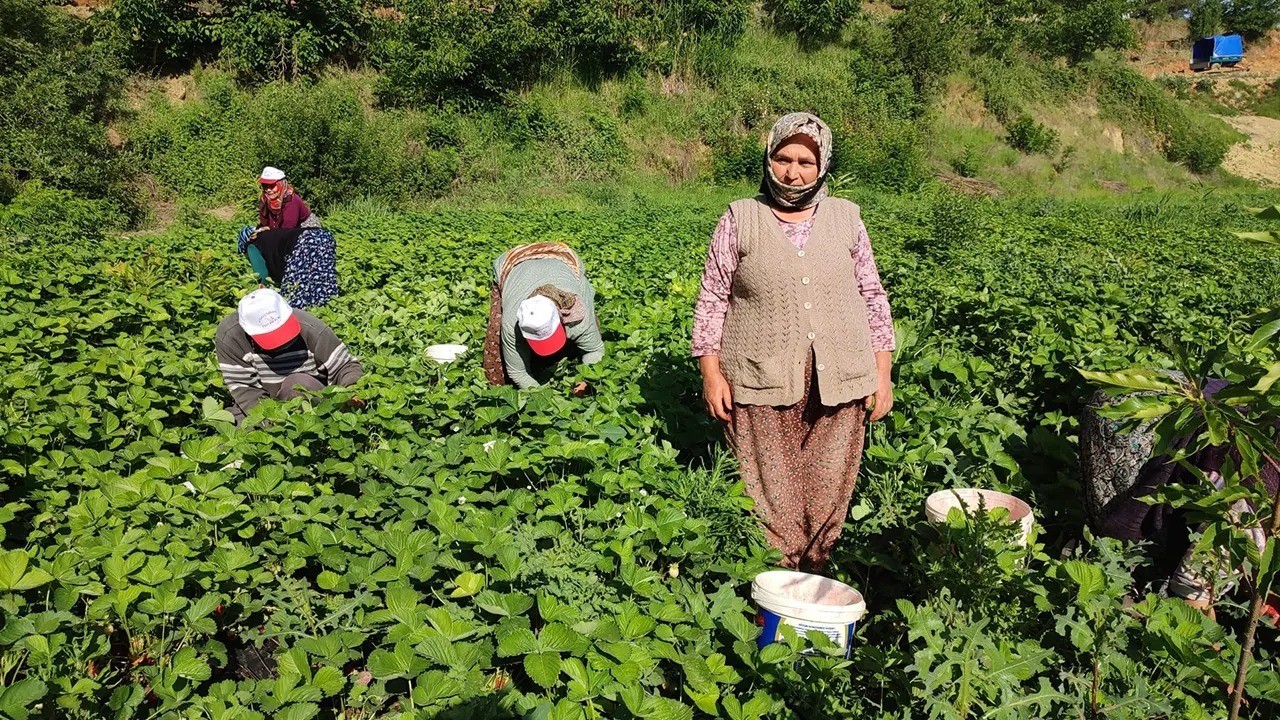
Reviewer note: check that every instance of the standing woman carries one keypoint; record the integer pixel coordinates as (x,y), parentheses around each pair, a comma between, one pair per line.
(289,246)
(794,338)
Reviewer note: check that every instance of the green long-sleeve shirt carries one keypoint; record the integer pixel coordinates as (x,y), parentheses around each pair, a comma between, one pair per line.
(520,284)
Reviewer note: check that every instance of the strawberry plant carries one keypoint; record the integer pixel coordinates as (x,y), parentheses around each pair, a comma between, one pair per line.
(458,550)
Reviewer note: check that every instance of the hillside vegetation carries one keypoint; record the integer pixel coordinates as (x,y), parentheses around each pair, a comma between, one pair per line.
(170,108)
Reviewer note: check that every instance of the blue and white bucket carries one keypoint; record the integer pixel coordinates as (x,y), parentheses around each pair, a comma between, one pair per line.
(806,602)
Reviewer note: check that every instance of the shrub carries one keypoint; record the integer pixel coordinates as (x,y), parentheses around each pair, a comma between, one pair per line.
(451,50)
(812,21)
(60,80)
(1251,18)
(889,155)
(333,147)
(1031,137)
(1079,29)
(1199,143)
(968,163)
(735,158)
(926,44)
(266,40)
(1205,20)
(635,100)
(164,31)
(258,39)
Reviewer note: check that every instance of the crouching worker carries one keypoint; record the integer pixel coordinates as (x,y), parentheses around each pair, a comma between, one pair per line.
(541,308)
(1120,470)
(289,246)
(268,349)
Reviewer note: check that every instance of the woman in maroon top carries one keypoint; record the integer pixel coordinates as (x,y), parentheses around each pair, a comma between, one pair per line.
(279,207)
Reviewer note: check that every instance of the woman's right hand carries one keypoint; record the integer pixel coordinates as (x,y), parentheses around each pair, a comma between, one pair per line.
(716,392)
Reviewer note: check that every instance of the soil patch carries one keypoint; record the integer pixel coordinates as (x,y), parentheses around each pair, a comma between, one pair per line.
(1257,158)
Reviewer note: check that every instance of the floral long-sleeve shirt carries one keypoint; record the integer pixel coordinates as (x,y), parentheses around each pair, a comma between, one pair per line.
(722,263)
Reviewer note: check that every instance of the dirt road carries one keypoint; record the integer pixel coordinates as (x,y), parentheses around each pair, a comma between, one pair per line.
(1257,158)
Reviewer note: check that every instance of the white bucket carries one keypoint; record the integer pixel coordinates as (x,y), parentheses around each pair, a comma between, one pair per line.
(806,602)
(445,353)
(970,500)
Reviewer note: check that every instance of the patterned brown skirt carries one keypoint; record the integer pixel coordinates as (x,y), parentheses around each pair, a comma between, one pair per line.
(494,371)
(800,464)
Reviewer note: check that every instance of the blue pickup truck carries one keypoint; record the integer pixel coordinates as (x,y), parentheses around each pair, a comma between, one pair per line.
(1219,50)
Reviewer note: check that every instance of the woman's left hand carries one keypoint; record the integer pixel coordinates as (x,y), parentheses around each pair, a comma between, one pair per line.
(881,403)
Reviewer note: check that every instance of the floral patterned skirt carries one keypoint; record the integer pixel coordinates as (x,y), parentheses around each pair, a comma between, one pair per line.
(800,464)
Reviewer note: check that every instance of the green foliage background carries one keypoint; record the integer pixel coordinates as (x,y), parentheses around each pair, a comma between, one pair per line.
(456,550)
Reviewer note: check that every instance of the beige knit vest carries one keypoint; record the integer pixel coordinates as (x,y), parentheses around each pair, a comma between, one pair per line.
(785,301)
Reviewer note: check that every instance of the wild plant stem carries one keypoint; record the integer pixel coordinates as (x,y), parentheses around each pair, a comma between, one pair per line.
(1097,678)
(1255,610)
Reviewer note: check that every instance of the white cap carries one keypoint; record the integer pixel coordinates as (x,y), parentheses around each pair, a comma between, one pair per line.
(266,317)
(539,321)
(271,174)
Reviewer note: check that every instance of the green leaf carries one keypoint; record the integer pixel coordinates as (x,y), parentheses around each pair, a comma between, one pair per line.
(543,668)
(1269,565)
(17,700)
(666,709)
(399,663)
(559,638)
(1088,577)
(402,602)
(519,641)
(14,574)
(300,711)
(467,584)
(187,664)
(774,653)
(1271,212)
(1134,379)
(329,680)
(328,580)
(504,604)
(1265,237)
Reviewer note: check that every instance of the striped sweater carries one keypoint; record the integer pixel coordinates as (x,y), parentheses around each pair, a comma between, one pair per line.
(251,373)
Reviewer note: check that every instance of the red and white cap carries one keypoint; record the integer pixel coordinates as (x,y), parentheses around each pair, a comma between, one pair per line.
(270,175)
(266,317)
(539,321)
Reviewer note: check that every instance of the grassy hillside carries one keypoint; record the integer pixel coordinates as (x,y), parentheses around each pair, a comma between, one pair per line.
(909,106)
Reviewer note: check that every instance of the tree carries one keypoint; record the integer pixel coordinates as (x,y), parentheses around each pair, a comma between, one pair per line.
(813,21)
(1205,20)
(1251,18)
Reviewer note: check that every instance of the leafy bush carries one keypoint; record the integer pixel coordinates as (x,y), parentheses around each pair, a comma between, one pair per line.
(1251,18)
(165,32)
(968,163)
(735,158)
(1076,30)
(454,50)
(1031,137)
(333,147)
(60,81)
(1198,142)
(258,39)
(266,40)
(813,22)
(1205,20)
(927,44)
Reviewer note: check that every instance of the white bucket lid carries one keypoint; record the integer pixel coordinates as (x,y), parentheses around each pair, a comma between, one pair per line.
(808,597)
(445,353)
